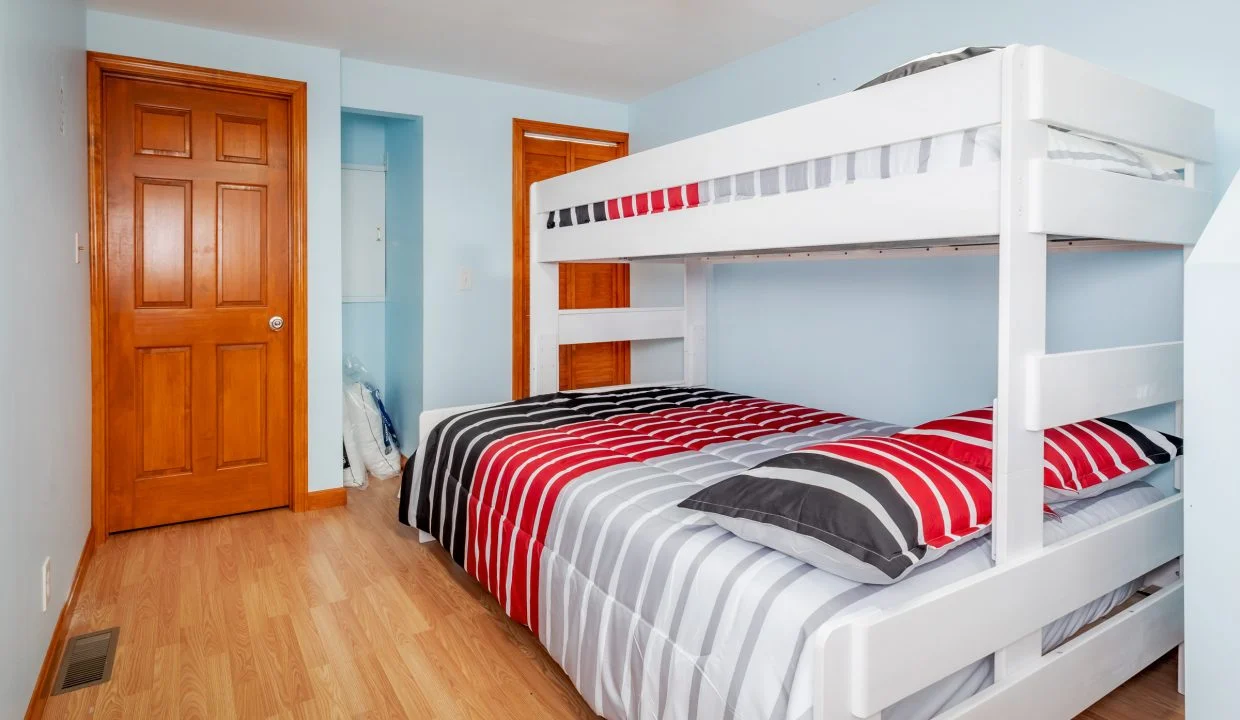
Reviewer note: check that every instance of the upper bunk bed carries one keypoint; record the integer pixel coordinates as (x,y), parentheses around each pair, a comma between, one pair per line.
(940,158)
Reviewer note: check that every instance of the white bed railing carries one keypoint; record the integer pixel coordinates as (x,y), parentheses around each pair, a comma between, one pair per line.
(876,659)
(1056,89)
(1069,387)
(612,324)
(1073,94)
(896,653)
(959,97)
(1078,202)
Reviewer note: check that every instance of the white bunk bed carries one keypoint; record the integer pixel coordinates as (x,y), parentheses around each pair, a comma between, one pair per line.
(1019,206)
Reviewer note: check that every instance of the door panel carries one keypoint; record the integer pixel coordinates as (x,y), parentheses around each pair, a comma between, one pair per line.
(198,262)
(161,131)
(241,391)
(162,245)
(241,139)
(164,400)
(240,245)
(591,285)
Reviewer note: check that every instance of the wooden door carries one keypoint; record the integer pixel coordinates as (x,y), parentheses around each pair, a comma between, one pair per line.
(543,151)
(198,372)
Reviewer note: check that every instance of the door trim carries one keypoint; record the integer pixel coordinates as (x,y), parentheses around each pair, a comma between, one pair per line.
(99,66)
(521,250)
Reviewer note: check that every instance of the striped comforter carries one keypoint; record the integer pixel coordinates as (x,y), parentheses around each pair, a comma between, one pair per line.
(565,508)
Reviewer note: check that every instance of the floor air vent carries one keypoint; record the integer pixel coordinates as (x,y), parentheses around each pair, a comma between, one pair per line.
(87,661)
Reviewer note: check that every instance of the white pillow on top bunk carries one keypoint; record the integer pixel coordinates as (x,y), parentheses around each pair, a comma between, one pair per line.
(1080,460)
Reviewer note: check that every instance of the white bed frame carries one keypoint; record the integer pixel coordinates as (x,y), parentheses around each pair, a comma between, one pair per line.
(869,661)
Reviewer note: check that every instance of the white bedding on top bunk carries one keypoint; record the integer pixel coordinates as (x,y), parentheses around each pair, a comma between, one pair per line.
(966,148)
(982,145)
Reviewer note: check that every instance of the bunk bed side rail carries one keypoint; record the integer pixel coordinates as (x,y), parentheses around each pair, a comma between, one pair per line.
(1108,655)
(1074,386)
(618,324)
(956,97)
(951,204)
(885,653)
(1078,95)
(1080,202)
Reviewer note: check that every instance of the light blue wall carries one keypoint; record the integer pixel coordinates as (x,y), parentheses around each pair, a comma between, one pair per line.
(387,336)
(404,278)
(363,142)
(362,138)
(319,68)
(909,340)
(364,337)
(467,136)
(44,328)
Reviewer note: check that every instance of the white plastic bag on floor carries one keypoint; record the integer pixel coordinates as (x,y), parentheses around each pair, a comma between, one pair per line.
(369,439)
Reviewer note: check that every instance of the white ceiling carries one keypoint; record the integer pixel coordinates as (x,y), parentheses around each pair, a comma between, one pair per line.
(614,49)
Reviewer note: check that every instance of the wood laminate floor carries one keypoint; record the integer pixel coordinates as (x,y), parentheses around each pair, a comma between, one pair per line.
(340,614)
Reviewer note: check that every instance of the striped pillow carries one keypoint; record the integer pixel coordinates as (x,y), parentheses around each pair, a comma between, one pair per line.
(1080,460)
(869,509)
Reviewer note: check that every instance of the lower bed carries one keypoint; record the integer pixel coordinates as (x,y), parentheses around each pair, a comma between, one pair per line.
(565,507)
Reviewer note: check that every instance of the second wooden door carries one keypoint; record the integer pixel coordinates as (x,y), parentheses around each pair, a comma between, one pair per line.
(585,285)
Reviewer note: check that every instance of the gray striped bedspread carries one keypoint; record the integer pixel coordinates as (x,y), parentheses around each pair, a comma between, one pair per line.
(565,508)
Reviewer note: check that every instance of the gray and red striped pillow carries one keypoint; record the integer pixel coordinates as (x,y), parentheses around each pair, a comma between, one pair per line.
(1079,461)
(869,509)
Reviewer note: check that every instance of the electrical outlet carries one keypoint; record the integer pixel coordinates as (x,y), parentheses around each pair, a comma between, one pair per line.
(47,582)
(467,279)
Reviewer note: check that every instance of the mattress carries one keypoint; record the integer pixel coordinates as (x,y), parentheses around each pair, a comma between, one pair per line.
(565,508)
(952,151)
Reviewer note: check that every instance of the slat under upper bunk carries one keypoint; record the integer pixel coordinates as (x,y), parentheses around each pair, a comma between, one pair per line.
(951,203)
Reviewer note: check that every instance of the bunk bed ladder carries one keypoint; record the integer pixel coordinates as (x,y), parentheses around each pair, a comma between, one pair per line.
(551,327)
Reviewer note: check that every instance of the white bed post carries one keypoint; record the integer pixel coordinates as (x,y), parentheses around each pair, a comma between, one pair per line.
(697,276)
(544,309)
(1195,176)
(1022,336)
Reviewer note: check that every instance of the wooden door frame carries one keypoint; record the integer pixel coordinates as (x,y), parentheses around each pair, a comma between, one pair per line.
(521,250)
(99,66)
